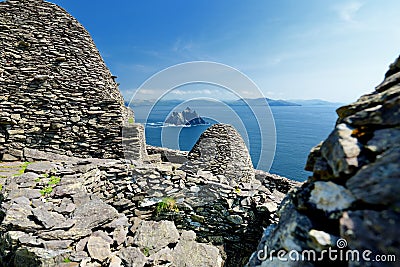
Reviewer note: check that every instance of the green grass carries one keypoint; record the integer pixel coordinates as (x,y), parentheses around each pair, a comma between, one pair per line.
(167,204)
(146,251)
(66,260)
(54,180)
(1,187)
(46,190)
(23,167)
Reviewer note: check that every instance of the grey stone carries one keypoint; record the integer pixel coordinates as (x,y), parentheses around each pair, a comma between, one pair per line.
(115,261)
(73,233)
(34,256)
(188,235)
(235,219)
(321,240)
(196,255)
(132,257)
(341,150)
(98,248)
(66,206)
(377,183)
(24,192)
(93,214)
(47,218)
(155,235)
(19,216)
(376,231)
(119,234)
(41,167)
(329,197)
(57,244)
(384,139)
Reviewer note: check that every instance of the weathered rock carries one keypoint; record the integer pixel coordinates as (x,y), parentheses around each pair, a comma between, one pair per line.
(321,240)
(47,218)
(57,244)
(33,256)
(98,248)
(328,196)
(196,255)
(93,214)
(341,150)
(383,140)
(377,183)
(376,231)
(353,195)
(132,257)
(24,192)
(73,233)
(40,167)
(155,235)
(19,216)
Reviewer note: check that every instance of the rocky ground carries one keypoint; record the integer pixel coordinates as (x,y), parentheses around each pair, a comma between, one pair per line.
(105,212)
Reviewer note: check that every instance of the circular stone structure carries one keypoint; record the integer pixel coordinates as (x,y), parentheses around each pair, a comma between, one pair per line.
(56,93)
(221,151)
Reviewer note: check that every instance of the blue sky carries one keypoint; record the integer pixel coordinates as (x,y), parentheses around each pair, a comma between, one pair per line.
(332,50)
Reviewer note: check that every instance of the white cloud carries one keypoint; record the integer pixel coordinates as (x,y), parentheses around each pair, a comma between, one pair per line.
(147,91)
(191,92)
(348,11)
(180,46)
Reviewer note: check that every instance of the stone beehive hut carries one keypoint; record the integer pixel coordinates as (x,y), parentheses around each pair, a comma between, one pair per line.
(221,151)
(56,93)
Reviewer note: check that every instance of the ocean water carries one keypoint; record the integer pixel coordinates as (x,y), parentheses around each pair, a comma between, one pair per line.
(298,129)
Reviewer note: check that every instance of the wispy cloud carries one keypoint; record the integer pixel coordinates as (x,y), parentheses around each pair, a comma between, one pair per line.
(182,46)
(348,11)
(191,92)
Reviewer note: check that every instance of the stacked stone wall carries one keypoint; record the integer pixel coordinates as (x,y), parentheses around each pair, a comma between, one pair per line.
(56,93)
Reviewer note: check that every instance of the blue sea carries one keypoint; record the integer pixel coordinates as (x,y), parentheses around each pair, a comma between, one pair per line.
(298,129)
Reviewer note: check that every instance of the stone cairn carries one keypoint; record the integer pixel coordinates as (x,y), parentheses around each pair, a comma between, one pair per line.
(69,197)
(56,93)
(352,200)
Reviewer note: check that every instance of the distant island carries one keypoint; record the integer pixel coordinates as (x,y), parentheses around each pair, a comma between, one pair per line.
(186,117)
(240,102)
(261,102)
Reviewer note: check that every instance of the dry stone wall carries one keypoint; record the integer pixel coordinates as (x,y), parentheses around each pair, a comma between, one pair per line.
(56,93)
(221,151)
(351,202)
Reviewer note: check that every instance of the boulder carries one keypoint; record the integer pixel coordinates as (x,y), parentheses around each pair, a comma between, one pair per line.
(153,236)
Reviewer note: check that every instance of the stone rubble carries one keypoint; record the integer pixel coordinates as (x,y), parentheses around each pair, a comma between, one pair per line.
(120,197)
